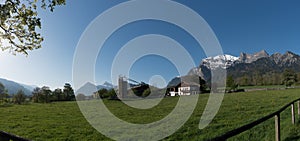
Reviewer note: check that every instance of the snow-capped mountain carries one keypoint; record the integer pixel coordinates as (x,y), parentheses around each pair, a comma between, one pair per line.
(226,61)
(249,69)
(248,65)
(220,61)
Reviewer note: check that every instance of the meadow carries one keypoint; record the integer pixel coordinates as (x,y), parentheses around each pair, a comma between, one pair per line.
(64,121)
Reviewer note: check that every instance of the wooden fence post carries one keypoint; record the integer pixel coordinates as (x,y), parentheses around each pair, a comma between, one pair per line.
(293,113)
(299,108)
(277,127)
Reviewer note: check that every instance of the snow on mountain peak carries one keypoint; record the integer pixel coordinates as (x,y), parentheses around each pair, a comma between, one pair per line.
(226,57)
(220,61)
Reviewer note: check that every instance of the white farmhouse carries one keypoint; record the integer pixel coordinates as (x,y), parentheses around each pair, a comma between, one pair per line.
(184,88)
(188,88)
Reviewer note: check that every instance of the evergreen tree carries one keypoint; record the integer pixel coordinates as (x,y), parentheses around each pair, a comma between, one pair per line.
(68,92)
(289,77)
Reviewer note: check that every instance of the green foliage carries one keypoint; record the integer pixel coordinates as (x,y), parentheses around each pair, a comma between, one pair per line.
(146,92)
(3,93)
(230,84)
(203,85)
(106,94)
(259,79)
(19,21)
(57,95)
(41,95)
(112,94)
(2,88)
(19,98)
(289,77)
(35,94)
(103,93)
(139,91)
(45,95)
(68,92)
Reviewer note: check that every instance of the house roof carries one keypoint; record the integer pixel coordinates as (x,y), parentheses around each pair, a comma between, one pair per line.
(189,84)
(190,80)
(184,83)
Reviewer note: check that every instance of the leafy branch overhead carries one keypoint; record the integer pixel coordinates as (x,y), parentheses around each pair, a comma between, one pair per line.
(19,22)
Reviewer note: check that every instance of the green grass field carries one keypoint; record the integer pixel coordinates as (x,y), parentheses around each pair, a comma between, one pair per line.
(263,87)
(64,121)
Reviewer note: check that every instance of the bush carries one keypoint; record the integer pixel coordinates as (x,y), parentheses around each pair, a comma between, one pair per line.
(19,98)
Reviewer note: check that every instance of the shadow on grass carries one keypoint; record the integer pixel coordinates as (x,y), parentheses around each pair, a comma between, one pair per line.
(293,138)
(294,133)
(5,105)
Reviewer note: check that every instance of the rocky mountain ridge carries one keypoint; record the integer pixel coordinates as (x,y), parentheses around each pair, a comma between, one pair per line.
(247,65)
(226,61)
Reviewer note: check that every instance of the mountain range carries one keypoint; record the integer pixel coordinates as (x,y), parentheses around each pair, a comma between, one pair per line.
(248,69)
(89,88)
(13,87)
(248,66)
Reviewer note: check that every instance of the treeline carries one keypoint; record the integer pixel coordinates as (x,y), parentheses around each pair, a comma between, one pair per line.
(288,78)
(143,91)
(257,79)
(39,95)
(100,94)
(17,98)
(45,95)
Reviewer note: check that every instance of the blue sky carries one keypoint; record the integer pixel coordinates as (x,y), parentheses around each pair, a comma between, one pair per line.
(241,26)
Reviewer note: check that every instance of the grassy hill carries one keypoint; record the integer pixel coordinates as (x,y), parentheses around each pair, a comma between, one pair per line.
(64,121)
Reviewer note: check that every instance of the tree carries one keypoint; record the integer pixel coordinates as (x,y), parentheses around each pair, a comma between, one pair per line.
(146,92)
(102,93)
(57,95)
(203,86)
(68,92)
(36,94)
(41,95)
(46,93)
(2,88)
(19,98)
(244,81)
(112,94)
(230,84)
(3,93)
(289,77)
(19,22)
